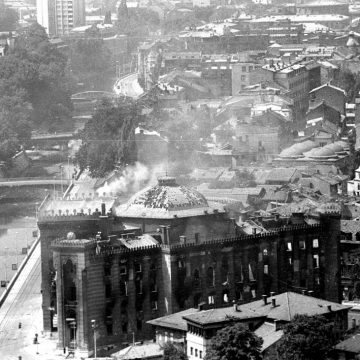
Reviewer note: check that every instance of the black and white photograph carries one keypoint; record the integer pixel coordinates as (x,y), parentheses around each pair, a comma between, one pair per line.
(180,179)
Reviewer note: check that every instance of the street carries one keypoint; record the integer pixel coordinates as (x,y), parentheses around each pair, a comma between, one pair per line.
(23,305)
(128,86)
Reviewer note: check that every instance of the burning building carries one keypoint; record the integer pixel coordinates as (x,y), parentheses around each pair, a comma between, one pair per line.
(165,250)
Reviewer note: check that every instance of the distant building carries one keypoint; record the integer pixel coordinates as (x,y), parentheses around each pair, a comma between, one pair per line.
(293,81)
(59,17)
(332,95)
(266,317)
(321,7)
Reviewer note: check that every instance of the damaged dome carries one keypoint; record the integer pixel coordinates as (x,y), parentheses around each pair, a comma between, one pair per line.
(166,199)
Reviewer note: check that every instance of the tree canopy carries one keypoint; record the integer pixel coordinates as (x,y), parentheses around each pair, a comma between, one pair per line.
(34,90)
(172,352)
(108,138)
(8,18)
(234,342)
(307,338)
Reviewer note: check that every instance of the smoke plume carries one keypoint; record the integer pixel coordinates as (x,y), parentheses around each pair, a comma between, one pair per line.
(131,179)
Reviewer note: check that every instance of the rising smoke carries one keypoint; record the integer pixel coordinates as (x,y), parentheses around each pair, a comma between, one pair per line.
(132,179)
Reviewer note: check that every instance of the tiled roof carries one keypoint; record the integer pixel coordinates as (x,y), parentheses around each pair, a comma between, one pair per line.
(268,333)
(289,304)
(351,345)
(220,315)
(173,321)
(281,174)
(305,206)
(146,351)
(327,85)
(276,195)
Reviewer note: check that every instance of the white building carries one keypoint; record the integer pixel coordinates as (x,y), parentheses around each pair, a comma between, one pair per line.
(58,17)
(353,186)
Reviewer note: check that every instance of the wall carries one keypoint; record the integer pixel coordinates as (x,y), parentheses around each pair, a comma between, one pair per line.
(332,96)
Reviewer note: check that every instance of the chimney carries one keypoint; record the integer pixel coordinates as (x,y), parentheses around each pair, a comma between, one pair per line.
(272,293)
(201,306)
(164,234)
(103,209)
(273,302)
(182,239)
(329,307)
(276,324)
(303,291)
(353,323)
(265,299)
(311,292)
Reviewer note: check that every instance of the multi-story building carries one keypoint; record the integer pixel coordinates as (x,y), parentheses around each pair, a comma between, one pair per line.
(168,249)
(305,7)
(266,317)
(293,81)
(58,17)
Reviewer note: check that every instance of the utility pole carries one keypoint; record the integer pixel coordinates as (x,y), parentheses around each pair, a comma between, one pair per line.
(93,325)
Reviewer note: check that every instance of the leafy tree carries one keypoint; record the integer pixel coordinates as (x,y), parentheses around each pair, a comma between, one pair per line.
(234,342)
(307,338)
(90,59)
(172,352)
(8,18)
(108,138)
(37,70)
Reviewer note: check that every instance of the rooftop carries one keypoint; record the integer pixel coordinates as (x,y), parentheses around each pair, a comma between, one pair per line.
(289,304)
(173,321)
(135,352)
(351,345)
(166,200)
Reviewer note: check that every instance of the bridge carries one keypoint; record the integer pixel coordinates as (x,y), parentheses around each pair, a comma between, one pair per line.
(33,181)
(92,95)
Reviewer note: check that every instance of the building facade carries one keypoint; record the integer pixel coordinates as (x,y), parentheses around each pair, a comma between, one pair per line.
(58,17)
(167,249)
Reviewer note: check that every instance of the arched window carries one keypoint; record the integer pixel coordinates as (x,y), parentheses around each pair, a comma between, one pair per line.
(265,252)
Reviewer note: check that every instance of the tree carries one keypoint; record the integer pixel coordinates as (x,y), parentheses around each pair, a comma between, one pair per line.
(307,338)
(172,352)
(8,18)
(37,70)
(90,59)
(108,138)
(234,342)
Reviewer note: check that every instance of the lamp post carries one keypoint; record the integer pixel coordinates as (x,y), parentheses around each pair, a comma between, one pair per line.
(68,158)
(61,180)
(94,326)
(6,249)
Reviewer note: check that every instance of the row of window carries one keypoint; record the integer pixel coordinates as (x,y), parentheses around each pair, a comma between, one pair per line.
(302,244)
(196,352)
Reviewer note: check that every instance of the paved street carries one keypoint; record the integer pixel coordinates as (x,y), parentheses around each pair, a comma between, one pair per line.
(128,86)
(23,304)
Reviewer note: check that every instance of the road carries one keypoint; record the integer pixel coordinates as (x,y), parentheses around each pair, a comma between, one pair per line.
(33,182)
(23,305)
(128,86)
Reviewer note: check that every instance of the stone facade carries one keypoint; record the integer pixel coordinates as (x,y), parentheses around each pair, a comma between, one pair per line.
(123,276)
